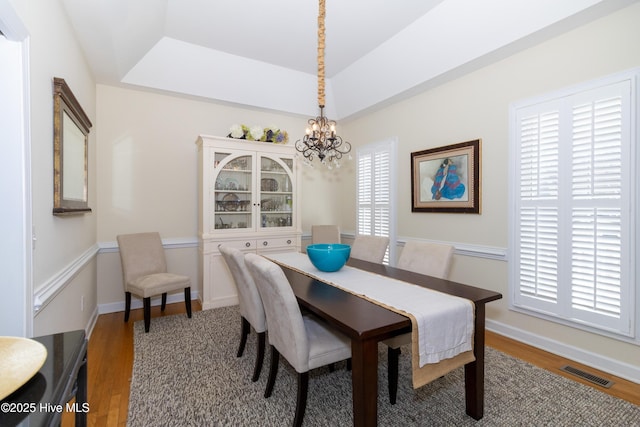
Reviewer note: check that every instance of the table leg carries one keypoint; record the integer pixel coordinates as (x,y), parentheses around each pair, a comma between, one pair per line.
(81,394)
(474,371)
(364,377)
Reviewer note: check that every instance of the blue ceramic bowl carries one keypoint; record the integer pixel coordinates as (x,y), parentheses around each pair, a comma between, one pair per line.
(328,257)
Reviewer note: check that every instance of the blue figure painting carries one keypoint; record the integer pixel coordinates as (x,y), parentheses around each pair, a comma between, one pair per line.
(447,183)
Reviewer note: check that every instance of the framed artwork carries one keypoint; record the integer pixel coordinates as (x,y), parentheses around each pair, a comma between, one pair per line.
(446,179)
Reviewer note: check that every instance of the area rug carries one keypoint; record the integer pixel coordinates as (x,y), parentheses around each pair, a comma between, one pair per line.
(186,373)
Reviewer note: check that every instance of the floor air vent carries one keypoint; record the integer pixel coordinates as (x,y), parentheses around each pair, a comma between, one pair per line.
(587,376)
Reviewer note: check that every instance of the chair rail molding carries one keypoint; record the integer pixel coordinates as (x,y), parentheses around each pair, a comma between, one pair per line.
(45,293)
(172,243)
(464,249)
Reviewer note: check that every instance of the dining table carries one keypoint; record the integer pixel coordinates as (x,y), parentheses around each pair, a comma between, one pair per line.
(368,323)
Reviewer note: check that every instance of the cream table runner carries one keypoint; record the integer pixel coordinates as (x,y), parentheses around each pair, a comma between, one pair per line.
(442,331)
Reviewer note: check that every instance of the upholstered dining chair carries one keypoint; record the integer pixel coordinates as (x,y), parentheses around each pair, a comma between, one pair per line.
(431,259)
(144,272)
(251,309)
(305,342)
(369,248)
(325,234)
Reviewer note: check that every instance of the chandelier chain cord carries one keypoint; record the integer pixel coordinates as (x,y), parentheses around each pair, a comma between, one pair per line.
(321,33)
(321,139)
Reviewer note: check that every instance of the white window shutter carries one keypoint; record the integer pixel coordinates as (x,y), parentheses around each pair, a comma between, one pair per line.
(375,191)
(574,212)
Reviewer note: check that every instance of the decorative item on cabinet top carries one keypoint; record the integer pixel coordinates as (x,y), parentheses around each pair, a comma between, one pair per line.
(258,133)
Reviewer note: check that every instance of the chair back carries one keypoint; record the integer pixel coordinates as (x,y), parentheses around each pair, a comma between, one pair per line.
(325,234)
(287,332)
(141,254)
(369,248)
(251,307)
(432,259)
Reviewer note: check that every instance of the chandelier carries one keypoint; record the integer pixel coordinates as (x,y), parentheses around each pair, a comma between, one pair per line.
(321,139)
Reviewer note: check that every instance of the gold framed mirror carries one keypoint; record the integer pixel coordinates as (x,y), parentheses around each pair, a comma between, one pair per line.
(70,152)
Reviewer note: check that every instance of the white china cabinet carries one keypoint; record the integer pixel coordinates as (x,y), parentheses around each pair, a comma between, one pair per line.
(248,199)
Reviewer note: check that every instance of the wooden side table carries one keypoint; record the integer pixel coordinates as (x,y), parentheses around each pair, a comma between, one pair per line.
(43,399)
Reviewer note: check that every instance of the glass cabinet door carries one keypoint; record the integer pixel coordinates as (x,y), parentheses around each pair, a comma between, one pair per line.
(276,192)
(233,189)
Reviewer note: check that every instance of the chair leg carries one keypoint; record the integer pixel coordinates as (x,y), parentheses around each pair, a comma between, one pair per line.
(273,371)
(244,332)
(259,356)
(127,305)
(301,403)
(164,301)
(147,313)
(393,355)
(187,301)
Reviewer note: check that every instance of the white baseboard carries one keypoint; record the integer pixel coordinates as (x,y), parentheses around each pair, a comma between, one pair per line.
(602,363)
(114,307)
(92,323)
(220,302)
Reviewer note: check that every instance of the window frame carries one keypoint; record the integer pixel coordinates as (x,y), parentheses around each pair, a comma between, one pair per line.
(627,328)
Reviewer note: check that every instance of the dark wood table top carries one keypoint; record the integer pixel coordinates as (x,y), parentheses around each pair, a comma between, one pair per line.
(361,318)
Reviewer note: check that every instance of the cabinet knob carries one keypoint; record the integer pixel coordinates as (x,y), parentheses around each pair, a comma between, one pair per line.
(289,242)
(265,243)
(248,244)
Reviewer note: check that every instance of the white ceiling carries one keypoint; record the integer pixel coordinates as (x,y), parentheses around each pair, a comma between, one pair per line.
(263,54)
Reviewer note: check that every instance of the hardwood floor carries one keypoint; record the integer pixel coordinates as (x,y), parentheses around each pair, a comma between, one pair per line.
(110,361)
(621,388)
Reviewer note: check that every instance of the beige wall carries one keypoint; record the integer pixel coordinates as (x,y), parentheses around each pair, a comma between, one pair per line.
(54,52)
(477,106)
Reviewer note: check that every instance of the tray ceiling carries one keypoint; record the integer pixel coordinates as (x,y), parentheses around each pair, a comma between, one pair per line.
(263,53)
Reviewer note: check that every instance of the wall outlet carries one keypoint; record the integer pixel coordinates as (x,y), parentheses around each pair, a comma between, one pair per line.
(82,303)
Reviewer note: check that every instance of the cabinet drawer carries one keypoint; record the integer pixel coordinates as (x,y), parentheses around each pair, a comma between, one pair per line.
(240,244)
(276,243)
